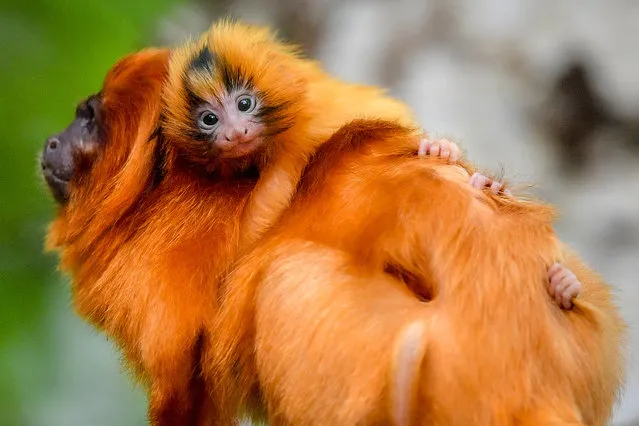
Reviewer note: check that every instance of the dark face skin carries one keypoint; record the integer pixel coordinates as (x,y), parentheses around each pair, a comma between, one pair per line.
(60,153)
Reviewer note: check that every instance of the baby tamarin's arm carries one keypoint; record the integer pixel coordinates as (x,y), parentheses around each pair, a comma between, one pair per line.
(563,284)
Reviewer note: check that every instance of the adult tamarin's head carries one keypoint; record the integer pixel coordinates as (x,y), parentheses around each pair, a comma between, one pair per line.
(229,93)
(95,185)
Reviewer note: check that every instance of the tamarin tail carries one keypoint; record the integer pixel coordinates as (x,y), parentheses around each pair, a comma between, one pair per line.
(410,349)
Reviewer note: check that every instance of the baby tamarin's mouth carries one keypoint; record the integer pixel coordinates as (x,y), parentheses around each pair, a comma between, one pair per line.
(236,149)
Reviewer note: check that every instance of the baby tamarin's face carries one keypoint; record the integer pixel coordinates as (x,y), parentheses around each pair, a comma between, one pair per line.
(230,122)
(229,94)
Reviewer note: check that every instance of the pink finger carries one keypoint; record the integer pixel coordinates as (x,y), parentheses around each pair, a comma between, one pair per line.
(424,144)
(434,149)
(556,273)
(560,276)
(479,181)
(557,291)
(570,292)
(567,304)
(554,268)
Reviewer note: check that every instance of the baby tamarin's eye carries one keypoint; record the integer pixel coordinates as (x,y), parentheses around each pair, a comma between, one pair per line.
(207,121)
(246,103)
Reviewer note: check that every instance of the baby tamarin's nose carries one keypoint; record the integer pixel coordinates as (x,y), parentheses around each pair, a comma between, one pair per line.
(236,134)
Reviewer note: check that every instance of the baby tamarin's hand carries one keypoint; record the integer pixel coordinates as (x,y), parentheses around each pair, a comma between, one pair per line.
(563,285)
(442,148)
(479,181)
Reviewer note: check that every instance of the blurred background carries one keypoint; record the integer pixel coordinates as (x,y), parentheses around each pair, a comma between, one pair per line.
(545,91)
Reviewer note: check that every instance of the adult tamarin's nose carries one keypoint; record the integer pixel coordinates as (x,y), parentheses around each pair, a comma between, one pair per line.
(51,154)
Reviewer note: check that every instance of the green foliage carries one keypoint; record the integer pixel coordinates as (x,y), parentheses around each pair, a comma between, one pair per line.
(53,54)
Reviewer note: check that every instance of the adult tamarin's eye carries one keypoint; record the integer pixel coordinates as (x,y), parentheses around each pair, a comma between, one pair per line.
(208,121)
(245,104)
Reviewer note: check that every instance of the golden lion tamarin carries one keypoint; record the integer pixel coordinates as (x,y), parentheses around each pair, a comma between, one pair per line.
(145,235)
(314,326)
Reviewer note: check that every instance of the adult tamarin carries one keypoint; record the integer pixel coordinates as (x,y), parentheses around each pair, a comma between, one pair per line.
(313,324)
(144,244)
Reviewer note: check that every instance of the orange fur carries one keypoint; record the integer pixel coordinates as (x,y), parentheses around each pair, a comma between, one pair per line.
(312,105)
(145,240)
(315,325)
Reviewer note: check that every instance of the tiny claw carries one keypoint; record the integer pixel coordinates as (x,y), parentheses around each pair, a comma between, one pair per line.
(495,187)
(434,149)
(480,181)
(449,150)
(424,146)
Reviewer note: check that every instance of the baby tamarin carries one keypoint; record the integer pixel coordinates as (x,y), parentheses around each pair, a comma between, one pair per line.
(240,98)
